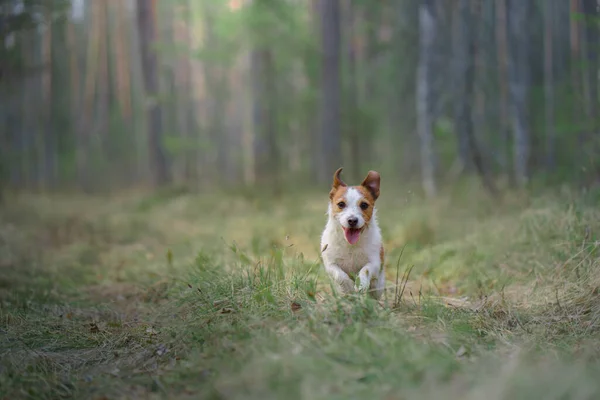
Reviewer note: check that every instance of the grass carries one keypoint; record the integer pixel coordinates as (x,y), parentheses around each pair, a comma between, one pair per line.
(179,295)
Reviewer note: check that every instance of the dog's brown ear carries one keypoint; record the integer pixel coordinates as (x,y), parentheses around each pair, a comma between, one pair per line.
(337,182)
(371,183)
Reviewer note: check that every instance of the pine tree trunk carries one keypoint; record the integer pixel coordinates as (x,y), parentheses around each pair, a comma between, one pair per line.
(330,151)
(518,74)
(549,86)
(427,32)
(146,18)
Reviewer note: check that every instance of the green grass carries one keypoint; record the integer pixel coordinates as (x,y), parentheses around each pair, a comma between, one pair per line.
(178,295)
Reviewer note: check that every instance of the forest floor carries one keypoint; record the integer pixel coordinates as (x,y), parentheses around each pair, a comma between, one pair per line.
(179,295)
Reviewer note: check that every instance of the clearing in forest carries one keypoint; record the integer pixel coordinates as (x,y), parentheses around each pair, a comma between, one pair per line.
(176,295)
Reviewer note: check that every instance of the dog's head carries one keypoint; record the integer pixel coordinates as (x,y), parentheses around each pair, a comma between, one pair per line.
(353,206)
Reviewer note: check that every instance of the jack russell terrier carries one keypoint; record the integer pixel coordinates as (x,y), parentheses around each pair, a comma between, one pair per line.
(351,244)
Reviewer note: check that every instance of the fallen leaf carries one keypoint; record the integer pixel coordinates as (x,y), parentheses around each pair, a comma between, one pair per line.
(94,327)
(226,310)
(296,306)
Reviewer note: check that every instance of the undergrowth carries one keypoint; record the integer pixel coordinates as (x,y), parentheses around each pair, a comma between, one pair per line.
(179,295)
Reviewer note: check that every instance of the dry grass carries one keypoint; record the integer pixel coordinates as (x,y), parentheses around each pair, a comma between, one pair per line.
(179,295)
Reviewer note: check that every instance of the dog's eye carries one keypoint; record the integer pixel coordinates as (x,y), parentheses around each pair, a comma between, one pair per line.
(364,206)
(341,204)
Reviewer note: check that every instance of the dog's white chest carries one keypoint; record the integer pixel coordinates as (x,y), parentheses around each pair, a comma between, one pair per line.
(349,258)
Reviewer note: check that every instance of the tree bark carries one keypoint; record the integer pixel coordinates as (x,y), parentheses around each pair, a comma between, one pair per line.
(576,89)
(591,143)
(502,46)
(189,117)
(330,151)
(48,173)
(427,33)
(549,86)
(146,18)
(351,98)
(465,80)
(464,73)
(590,34)
(519,74)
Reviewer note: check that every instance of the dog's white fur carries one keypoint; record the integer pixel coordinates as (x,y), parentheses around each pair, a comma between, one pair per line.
(343,260)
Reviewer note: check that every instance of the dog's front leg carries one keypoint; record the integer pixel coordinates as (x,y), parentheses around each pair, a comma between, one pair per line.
(367,274)
(340,277)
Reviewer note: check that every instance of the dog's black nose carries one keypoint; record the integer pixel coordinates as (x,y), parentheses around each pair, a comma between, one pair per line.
(352,221)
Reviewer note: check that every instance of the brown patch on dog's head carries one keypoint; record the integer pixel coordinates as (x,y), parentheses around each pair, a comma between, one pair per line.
(338,185)
(372,183)
(369,189)
(366,203)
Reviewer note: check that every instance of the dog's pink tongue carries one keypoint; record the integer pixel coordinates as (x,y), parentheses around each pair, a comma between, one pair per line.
(352,235)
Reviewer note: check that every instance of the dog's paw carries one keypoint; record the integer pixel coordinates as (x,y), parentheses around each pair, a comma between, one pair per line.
(361,285)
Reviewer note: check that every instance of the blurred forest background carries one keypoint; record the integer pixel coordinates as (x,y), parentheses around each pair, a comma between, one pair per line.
(103,95)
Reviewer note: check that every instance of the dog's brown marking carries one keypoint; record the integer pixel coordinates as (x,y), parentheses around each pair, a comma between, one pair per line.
(381,256)
(372,183)
(369,188)
(338,192)
(367,197)
(338,195)
(338,184)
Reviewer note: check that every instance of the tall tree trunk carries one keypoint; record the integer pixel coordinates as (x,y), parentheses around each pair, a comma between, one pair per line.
(330,156)
(48,165)
(103,112)
(146,18)
(216,86)
(122,56)
(548,10)
(189,115)
(590,34)
(168,66)
(74,85)
(518,73)
(502,46)
(464,73)
(369,16)
(427,33)
(352,109)
(590,84)
(574,37)
(465,79)
(82,102)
